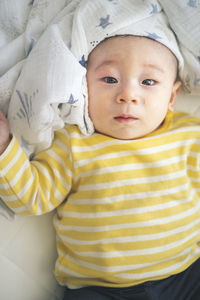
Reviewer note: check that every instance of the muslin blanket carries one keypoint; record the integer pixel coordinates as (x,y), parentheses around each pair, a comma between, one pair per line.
(44,46)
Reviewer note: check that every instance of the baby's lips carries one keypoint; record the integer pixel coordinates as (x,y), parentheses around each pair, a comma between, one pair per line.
(125,118)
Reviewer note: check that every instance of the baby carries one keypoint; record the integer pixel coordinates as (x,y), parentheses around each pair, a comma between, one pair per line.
(127,197)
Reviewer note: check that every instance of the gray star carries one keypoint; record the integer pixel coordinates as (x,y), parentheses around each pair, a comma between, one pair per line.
(83,62)
(104,22)
(72,100)
(192,3)
(154,9)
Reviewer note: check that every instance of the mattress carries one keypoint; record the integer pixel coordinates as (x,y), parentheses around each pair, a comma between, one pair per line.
(27,258)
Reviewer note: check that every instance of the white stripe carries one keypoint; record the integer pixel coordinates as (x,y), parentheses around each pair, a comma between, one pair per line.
(130,267)
(44,171)
(11,163)
(28,207)
(38,204)
(116,142)
(67,271)
(56,192)
(55,157)
(12,182)
(143,237)
(130,196)
(132,181)
(21,193)
(135,166)
(148,251)
(194,179)
(58,175)
(129,211)
(26,187)
(35,202)
(153,274)
(64,147)
(152,150)
(135,224)
(133,239)
(193,168)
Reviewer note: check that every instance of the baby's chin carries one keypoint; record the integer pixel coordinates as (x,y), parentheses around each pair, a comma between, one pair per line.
(123,136)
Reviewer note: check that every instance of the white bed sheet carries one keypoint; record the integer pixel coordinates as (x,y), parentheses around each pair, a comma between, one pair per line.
(188,103)
(27,258)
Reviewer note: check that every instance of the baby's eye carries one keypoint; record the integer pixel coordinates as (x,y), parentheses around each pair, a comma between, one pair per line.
(110,80)
(148,82)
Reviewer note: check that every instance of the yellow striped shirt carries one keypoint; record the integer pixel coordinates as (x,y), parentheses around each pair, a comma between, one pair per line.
(128,211)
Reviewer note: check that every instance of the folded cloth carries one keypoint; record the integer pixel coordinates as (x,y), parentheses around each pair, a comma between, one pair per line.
(184,19)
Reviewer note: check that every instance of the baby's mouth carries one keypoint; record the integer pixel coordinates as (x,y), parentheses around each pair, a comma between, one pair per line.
(125,118)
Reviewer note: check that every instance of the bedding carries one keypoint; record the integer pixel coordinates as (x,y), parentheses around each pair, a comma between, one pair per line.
(37,61)
(27,258)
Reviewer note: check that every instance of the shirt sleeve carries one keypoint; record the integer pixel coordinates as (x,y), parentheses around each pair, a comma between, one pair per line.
(38,186)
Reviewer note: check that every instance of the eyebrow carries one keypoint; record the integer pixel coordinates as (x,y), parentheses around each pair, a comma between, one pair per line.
(105,63)
(155,67)
(146,65)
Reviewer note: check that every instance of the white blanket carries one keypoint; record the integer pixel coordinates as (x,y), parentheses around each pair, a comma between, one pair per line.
(44,46)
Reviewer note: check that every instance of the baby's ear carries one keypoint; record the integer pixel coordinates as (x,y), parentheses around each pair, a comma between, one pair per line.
(175,91)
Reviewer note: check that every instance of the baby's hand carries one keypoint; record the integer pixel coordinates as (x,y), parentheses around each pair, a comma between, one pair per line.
(4,133)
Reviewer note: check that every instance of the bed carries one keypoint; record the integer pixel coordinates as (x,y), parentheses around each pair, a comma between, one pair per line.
(27,244)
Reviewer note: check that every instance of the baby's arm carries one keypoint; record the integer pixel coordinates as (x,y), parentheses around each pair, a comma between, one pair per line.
(33,187)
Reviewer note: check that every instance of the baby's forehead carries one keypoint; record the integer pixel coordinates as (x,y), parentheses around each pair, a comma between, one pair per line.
(113,40)
(111,44)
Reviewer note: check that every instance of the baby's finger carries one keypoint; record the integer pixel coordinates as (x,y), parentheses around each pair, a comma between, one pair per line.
(2,117)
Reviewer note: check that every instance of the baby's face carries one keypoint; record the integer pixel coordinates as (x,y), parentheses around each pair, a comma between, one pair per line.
(131,86)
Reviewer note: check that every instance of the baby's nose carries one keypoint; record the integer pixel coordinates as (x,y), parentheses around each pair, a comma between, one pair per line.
(129,94)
